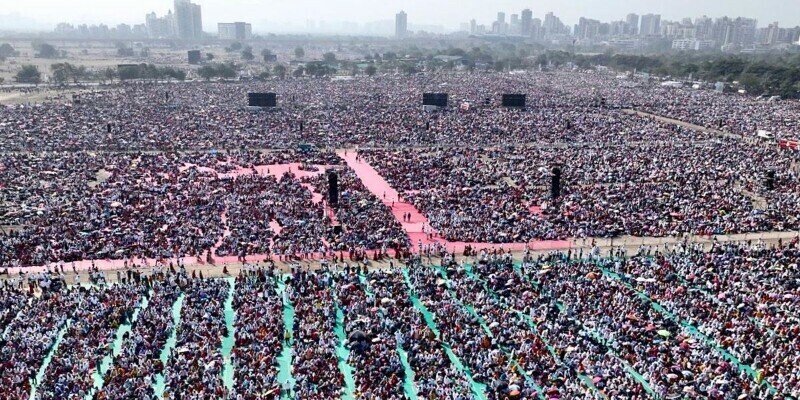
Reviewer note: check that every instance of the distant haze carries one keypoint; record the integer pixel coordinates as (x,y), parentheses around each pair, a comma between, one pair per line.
(299,15)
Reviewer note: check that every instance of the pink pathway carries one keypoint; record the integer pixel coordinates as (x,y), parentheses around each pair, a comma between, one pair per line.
(418,222)
(372,180)
(275,170)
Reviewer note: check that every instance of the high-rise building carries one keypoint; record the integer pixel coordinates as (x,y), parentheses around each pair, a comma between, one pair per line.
(197,21)
(651,25)
(473,27)
(124,31)
(500,26)
(525,23)
(162,27)
(188,20)
(234,31)
(552,25)
(587,28)
(617,28)
(536,29)
(401,24)
(632,20)
(704,27)
(692,44)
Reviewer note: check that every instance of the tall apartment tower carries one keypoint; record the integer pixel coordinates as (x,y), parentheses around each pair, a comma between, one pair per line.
(526,22)
(188,20)
(401,24)
(632,22)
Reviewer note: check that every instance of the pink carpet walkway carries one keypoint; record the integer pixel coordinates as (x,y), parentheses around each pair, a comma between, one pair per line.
(372,180)
(379,187)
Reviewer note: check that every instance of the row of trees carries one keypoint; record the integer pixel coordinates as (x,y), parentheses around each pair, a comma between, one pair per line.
(66,72)
(759,74)
(218,70)
(150,71)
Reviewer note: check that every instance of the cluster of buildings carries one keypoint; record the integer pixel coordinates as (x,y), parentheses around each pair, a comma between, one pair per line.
(727,34)
(101,31)
(633,32)
(185,23)
(523,24)
(704,33)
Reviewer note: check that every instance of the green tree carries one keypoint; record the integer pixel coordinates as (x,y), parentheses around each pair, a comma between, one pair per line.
(247,54)
(752,83)
(207,72)
(125,52)
(329,57)
(299,53)
(61,72)
(236,46)
(266,54)
(79,73)
(226,71)
(28,74)
(2,80)
(109,73)
(45,50)
(209,56)
(279,71)
(6,50)
(144,52)
(128,72)
(371,70)
(315,69)
(299,72)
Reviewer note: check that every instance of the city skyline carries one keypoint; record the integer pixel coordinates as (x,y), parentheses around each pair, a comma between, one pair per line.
(298,15)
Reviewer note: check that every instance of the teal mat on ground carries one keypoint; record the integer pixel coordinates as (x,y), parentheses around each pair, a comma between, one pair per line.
(49,357)
(229,340)
(409,387)
(116,347)
(343,354)
(285,358)
(159,384)
(478,388)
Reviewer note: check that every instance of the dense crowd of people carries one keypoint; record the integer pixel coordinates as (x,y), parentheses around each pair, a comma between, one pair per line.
(87,341)
(140,359)
(80,206)
(503,194)
(315,362)
(562,107)
(668,322)
(186,171)
(194,371)
(259,333)
(374,356)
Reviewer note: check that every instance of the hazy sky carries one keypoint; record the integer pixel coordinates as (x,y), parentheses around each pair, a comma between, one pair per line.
(448,13)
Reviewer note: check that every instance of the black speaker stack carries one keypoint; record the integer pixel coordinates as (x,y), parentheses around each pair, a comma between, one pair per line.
(555,183)
(769,181)
(434,99)
(333,189)
(262,100)
(514,100)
